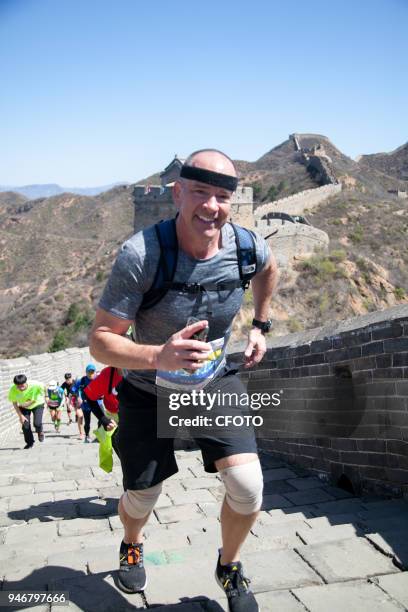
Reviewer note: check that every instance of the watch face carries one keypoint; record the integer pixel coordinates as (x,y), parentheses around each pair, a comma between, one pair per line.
(265,326)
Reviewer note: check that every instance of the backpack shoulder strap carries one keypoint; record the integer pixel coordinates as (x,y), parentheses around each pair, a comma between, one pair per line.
(166,267)
(246,253)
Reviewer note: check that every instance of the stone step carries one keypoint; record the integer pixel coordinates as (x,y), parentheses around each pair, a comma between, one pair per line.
(268,570)
(330,534)
(393,543)
(360,596)
(343,560)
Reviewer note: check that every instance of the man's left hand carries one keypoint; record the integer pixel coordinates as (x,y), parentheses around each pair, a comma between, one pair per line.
(255,349)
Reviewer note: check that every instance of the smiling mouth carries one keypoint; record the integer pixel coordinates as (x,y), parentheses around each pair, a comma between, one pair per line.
(205,220)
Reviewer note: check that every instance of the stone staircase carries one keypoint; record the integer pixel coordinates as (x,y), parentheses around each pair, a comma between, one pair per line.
(314,548)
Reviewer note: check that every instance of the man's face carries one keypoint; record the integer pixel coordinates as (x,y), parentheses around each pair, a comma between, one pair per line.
(90,373)
(22,387)
(203,208)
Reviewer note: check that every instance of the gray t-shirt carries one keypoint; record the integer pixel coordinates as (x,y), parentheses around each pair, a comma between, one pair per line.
(133,274)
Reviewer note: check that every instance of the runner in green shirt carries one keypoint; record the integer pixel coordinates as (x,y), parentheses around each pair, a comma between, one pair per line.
(27,398)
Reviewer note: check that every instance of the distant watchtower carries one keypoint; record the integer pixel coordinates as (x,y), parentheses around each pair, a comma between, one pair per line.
(171,172)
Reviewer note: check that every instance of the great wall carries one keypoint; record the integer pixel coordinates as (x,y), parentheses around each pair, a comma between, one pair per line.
(154,202)
(359,367)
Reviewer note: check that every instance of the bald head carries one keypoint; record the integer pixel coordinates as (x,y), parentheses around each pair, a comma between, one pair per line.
(211,159)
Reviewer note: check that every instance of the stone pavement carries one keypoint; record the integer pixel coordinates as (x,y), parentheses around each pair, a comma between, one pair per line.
(315,547)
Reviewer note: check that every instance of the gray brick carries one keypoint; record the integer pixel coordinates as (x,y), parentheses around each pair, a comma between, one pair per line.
(194,496)
(31,533)
(272,530)
(63,485)
(76,495)
(25,578)
(302,484)
(80,559)
(55,512)
(271,502)
(346,560)
(210,508)
(324,522)
(312,496)
(8,521)
(94,483)
(200,483)
(14,490)
(393,543)
(22,502)
(174,514)
(218,492)
(100,589)
(197,470)
(359,596)
(395,585)
(277,601)
(98,507)
(331,534)
(339,507)
(115,492)
(30,478)
(71,474)
(166,540)
(277,487)
(82,525)
(291,514)
(278,474)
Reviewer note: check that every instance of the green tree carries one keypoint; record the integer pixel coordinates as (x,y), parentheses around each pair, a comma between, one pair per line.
(59,342)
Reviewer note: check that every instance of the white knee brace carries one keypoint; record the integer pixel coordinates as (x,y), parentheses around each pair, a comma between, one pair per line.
(137,504)
(243,485)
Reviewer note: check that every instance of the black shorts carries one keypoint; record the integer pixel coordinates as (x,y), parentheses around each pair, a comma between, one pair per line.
(147,459)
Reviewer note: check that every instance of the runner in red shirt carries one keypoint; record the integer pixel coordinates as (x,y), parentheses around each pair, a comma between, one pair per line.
(104,387)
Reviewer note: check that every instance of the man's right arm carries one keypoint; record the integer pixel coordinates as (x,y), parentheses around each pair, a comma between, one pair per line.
(108,344)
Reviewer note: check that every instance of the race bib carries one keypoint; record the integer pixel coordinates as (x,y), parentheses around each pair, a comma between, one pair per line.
(184,379)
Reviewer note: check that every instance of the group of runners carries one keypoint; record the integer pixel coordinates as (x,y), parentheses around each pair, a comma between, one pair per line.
(93,393)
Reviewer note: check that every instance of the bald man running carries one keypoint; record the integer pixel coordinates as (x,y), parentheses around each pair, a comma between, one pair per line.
(170,354)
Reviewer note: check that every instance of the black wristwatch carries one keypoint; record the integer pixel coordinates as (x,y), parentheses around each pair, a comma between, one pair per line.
(264,326)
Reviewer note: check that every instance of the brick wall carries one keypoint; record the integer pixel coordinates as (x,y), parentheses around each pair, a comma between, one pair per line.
(344,400)
(297,203)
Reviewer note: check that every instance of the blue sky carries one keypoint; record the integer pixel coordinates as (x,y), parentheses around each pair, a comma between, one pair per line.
(97,91)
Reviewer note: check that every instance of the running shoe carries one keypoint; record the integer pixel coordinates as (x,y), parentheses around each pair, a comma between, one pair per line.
(27,446)
(87,439)
(41,437)
(132,574)
(231,579)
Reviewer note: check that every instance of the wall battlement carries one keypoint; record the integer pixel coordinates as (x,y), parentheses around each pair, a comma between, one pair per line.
(344,390)
(297,203)
(291,239)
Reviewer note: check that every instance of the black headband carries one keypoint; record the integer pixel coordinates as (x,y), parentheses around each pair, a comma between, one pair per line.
(216,179)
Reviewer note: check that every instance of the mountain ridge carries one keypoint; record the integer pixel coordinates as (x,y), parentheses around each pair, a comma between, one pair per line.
(56,252)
